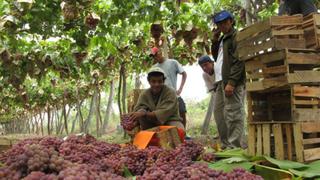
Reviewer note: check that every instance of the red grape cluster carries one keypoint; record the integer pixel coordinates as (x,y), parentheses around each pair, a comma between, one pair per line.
(35,157)
(9,173)
(167,161)
(57,163)
(84,149)
(11,155)
(198,171)
(135,160)
(51,142)
(130,157)
(38,157)
(38,175)
(127,123)
(91,21)
(191,149)
(83,157)
(112,164)
(80,153)
(208,157)
(153,153)
(84,171)
(81,139)
(106,148)
(239,173)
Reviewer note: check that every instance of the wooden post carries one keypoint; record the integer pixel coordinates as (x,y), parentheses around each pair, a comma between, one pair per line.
(249,105)
(298,142)
(266,139)
(278,141)
(259,139)
(251,139)
(288,130)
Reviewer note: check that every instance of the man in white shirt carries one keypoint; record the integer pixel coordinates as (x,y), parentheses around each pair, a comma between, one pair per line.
(172,68)
(207,65)
(210,75)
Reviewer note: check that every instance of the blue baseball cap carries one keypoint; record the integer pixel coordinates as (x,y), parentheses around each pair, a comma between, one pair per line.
(221,16)
(203,59)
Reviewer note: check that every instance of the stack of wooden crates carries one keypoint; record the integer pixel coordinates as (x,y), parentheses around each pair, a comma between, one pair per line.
(282,61)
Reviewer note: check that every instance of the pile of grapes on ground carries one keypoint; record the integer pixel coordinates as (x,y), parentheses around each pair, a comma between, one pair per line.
(85,158)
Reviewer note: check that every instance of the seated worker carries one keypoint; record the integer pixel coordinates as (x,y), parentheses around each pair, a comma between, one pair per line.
(291,7)
(157,105)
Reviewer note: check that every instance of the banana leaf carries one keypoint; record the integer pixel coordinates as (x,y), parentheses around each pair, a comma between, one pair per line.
(229,164)
(272,173)
(285,164)
(127,173)
(231,153)
(311,171)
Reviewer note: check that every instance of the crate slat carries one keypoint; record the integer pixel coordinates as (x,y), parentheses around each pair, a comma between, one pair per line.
(311,141)
(280,68)
(306,115)
(288,130)
(299,103)
(304,77)
(278,140)
(251,139)
(312,29)
(297,141)
(311,154)
(266,139)
(274,33)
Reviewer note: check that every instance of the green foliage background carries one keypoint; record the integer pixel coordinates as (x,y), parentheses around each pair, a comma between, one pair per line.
(52,56)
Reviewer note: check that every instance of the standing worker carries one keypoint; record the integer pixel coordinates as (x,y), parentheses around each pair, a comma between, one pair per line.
(230,80)
(291,7)
(172,67)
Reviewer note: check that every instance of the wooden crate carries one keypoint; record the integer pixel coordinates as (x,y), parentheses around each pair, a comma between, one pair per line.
(300,103)
(166,137)
(277,32)
(5,144)
(282,67)
(311,26)
(271,139)
(307,141)
(291,141)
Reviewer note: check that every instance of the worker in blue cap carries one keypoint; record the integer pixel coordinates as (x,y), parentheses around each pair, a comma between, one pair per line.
(229,76)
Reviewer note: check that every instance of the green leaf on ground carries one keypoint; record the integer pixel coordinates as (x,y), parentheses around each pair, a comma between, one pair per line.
(235,160)
(311,171)
(231,153)
(256,158)
(272,173)
(286,164)
(127,172)
(225,166)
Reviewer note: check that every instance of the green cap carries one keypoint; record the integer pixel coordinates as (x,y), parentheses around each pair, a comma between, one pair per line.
(156,69)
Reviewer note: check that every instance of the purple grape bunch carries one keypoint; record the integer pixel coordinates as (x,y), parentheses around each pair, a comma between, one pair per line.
(127,123)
